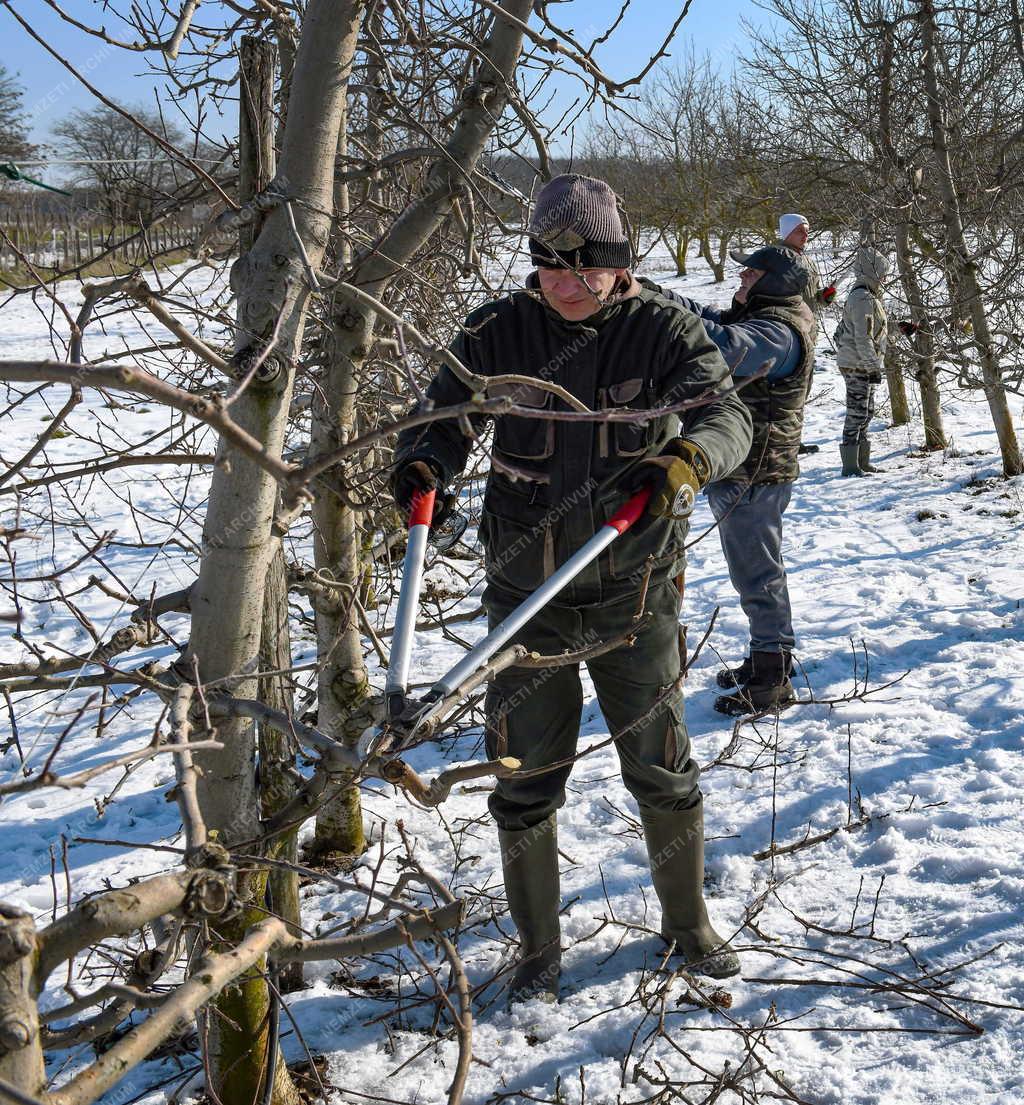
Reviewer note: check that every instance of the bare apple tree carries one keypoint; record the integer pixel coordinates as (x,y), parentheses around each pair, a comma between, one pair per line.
(368,218)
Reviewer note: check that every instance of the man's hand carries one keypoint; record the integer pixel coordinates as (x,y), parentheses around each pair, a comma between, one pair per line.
(415,476)
(826,295)
(674,477)
(907,328)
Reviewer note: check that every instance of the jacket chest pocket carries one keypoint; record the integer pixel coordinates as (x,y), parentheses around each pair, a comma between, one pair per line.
(525,438)
(624,439)
(517,537)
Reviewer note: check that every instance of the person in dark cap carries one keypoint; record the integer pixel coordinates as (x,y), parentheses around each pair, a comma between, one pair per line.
(768,329)
(584,323)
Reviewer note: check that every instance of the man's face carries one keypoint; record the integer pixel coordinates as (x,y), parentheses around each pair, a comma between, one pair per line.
(797,239)
(748,278)
(577,294)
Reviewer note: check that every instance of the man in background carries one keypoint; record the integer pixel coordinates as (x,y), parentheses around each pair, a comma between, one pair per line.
(794,230)
(769,328)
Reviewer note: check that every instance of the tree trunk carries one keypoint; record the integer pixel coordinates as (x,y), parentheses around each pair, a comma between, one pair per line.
(343,689)
(21,1054)
(342,683)
(923,343)
(257,163)
(227,601)
(717,266)
(963,269)
(680,249)
(897,387)
(256,160)
(277,754)
(678,242)
(723,250)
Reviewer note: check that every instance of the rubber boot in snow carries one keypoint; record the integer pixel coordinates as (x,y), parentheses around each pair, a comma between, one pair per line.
(851,461)
(529,860)
(768,689)
(675,845)
(864,458)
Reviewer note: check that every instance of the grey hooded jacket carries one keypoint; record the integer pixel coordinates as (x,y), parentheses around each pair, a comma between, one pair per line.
(860,337)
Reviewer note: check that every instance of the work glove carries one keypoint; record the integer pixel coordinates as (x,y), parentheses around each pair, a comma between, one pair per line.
(674,477)
(826,295)
(417,475)
(907,328)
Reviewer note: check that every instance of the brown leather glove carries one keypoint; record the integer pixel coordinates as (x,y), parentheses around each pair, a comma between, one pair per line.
(674,477)
(418,475)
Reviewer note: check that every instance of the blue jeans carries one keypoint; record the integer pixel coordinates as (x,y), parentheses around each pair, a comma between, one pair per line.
(750,527)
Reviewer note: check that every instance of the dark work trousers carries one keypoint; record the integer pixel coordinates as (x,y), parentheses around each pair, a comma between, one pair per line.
(535,715)
(860,407)
(750,527)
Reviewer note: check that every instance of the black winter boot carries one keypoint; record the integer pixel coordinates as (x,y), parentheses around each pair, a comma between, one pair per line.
(675,844)
(529,860)
(864,458)
(735,677)
(851,462)
(768,689)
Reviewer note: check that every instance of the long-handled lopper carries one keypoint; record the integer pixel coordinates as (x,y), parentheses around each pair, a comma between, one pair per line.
(397,683)
(403,718)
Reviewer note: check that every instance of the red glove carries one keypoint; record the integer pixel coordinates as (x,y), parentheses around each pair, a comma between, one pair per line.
(827,294)
(908,329)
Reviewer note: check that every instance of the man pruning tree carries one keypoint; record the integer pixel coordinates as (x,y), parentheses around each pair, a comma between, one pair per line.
(585,324)
(768,326)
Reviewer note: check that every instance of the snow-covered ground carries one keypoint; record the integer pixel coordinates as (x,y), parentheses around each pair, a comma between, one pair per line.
(912,577)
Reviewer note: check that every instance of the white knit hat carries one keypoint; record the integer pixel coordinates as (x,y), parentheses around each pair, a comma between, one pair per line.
(789,223)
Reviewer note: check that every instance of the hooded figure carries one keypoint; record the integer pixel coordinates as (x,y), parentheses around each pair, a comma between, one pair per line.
(861,341)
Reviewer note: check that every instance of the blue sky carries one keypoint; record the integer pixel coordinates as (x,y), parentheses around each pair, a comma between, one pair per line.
(51,92)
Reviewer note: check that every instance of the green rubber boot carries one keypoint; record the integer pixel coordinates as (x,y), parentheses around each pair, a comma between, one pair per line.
(851,460)
(864,458)
(675,845)
(529,860)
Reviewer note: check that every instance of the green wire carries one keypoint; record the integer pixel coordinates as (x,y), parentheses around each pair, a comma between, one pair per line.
(12,172)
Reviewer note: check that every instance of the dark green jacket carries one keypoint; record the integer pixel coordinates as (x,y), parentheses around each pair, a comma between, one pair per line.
(553,483)
(777,406)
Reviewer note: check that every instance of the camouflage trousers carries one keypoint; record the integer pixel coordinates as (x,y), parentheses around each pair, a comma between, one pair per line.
(535,715)
(860,407)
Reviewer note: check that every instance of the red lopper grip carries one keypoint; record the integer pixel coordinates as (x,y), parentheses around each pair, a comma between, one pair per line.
(630,511)
(422,512)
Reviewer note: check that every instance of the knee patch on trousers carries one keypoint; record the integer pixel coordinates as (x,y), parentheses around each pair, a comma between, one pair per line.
(677,741)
